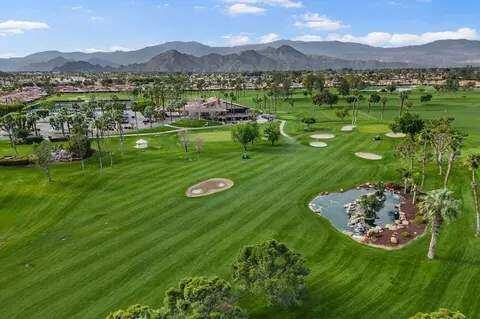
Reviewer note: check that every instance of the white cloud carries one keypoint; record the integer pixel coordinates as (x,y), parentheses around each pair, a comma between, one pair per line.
(275,3)
(77,8)
(8,55)
(318,22)
(242,8)
(308,38)
(97,19)
(110,49)
(270,37)
(11,27)
(401,39)
(234,40)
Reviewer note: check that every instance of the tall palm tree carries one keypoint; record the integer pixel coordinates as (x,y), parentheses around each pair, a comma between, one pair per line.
(439,207)
(403,99)
(454,146)
(473,163)
(425,139)
(384,101)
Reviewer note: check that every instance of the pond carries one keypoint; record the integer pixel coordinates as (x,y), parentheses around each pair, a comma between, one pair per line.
(333,207)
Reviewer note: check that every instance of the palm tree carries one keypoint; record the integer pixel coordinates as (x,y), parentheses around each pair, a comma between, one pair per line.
(473,163)
(455,145)
(439,207)
(403,99)
(384,101)
(425,138)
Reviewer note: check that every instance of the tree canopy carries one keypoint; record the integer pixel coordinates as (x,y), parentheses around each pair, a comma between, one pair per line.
(274,270)
(201,297)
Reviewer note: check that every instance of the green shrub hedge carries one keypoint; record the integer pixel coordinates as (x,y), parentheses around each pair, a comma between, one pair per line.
(15,161)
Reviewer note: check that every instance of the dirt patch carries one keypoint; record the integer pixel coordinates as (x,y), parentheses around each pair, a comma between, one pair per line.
(209,187)
(369,156)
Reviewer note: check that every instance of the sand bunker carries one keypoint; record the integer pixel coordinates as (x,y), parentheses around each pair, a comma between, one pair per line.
(322,136)
(209,187)
(368,156)
(395,135)
(318,144)
(348,128)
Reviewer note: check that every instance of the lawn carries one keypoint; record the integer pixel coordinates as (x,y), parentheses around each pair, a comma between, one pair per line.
(91,241)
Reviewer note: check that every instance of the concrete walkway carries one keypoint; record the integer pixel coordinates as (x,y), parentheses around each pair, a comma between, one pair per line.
(282,130)
(176,130)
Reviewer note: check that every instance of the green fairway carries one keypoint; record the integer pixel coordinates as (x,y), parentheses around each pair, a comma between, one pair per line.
(94,241)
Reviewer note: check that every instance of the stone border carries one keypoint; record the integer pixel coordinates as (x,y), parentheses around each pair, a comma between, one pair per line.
(190,192)
(368,156)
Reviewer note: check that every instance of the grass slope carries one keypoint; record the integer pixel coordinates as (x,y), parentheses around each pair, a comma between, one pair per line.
(93,242)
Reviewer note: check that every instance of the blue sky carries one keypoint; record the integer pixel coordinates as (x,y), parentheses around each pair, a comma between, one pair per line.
(28,26)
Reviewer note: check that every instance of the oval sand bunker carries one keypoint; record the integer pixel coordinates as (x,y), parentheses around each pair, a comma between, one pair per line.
(209,187)
(368,156)
(318,144)
(395,135)
(348,128)
(322,136)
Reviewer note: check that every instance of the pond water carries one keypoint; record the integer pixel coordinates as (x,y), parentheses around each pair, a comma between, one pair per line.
(332,207)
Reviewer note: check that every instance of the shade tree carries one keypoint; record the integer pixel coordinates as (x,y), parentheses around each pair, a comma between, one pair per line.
(273,270)
(272,132)
(245,134)
(201,297)
(43,155)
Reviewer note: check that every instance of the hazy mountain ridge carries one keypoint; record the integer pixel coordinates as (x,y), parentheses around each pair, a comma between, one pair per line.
(284,58)
(445,53)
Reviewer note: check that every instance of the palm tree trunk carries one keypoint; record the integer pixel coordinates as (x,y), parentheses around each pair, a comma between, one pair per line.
(12,142)
(414,200)
(99,151)
(451,158)
(475,198)
(424,163)
(433,239)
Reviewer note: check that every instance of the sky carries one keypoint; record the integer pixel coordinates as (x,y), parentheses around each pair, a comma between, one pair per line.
(28,26)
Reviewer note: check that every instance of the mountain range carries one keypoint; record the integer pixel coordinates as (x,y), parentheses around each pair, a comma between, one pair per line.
(278,55)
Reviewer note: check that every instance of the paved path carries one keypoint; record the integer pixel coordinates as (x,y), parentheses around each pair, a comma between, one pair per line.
(177,129)
(282,131)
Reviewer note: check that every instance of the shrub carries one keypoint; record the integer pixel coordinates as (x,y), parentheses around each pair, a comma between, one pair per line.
(58,139)
(33,140)
(15,161)
(419,219)
(79,146)
(405,234)
(440,314)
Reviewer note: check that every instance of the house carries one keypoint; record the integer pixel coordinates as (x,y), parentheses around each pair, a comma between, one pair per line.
(215,109)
